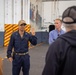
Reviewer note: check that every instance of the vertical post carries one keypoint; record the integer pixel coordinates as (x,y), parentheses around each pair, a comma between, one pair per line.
(4,11)
(21,9)
(12,11)
(28,11)
(54,9)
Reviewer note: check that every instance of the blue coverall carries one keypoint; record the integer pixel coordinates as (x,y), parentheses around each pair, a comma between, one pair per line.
(20,45)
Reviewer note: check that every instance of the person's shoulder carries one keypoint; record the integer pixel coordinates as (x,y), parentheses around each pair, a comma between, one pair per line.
(52,31)
(58,45)
(27,34)
(58,41)
(63,30)
(15,33)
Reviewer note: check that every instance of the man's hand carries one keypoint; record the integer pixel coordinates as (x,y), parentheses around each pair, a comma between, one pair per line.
(10,59)
(33,31)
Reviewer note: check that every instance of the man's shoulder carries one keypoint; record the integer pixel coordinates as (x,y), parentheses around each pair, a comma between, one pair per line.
(26,33)
(52,31)
(62,30)
(15,33)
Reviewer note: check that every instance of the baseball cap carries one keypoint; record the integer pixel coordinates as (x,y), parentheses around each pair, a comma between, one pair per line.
(69,15)
(22,22)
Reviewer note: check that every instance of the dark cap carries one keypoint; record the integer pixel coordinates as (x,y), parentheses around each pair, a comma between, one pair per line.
(22,22)
(69,15)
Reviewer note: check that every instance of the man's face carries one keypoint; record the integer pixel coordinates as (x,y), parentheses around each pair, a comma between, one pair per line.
(22,27)
(57,24)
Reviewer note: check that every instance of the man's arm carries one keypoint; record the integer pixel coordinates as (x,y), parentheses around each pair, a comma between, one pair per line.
(10,46)
(51,39)
(33,38)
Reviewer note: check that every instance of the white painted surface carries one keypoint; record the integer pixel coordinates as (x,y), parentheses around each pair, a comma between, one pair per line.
(10,12)
(26,11)
(64,4)
(1,15)
(53,10)
(17,11)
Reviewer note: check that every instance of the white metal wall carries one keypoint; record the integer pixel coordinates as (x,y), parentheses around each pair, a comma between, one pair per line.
(11,11)
(1,15)
(26,10)
(53,10)
(8,11)
(16,10)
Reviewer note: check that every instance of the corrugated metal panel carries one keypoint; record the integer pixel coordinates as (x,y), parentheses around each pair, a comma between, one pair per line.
(2,15)
(26,10)
(8,11)
(16,10)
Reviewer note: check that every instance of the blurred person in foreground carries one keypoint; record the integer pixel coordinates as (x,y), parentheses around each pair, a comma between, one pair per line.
(61,55)
(19,41)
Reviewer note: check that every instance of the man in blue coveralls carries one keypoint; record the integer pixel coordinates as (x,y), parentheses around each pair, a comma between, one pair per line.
(19,41)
